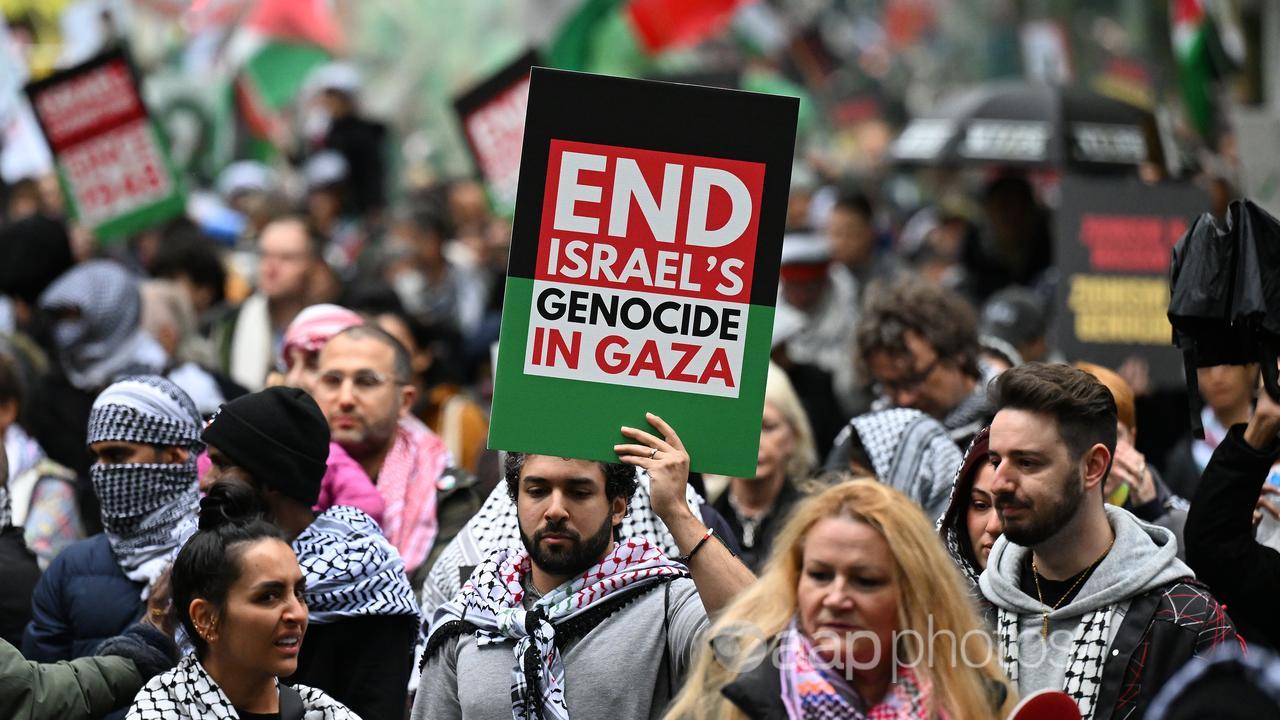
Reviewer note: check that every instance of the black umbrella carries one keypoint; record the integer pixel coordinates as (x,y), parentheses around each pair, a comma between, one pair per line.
(1224,295)
(1023,124)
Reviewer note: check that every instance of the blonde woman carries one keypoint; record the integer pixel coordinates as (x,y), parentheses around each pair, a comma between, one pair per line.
(757,507)
(859,614)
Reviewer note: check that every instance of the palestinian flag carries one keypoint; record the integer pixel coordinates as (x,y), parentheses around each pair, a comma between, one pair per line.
(618,36)
(284,40)
(1191,35)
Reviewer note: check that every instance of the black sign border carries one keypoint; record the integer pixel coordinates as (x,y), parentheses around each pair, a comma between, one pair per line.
(120,52)
(660,116)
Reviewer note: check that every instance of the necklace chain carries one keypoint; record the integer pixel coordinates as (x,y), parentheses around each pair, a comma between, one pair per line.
(1035,575)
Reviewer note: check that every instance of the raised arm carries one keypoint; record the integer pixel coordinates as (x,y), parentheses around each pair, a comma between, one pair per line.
(718,575)
(1243,575)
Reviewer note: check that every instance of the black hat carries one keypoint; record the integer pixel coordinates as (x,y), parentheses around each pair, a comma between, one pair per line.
(1015,315)
(279,436)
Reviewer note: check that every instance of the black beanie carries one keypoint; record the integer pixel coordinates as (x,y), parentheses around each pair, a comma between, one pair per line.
(279,436)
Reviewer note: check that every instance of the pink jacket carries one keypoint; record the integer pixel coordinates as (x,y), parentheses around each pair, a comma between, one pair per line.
(345,483)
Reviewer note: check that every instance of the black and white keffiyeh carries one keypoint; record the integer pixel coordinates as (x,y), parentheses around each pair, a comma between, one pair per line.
(492,602)
(1083,678)
(106,339)
(911,452)
(188,693)
(145,409)
(148,510)
(351,569)
(496,527)
(6,512)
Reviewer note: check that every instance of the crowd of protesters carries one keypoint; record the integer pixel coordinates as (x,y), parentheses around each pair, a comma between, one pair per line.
(248,477)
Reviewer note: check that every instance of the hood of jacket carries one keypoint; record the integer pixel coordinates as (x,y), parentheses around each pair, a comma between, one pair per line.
(1144,557)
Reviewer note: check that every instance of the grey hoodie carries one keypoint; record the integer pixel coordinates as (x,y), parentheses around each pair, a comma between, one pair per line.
(1144,558)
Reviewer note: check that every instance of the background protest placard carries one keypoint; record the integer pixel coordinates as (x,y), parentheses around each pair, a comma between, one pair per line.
(1258,137)
(644,267)
(1113,245)
(112,163)
(492,116)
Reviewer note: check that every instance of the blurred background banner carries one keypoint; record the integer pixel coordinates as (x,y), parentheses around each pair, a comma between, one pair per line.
(1114,242)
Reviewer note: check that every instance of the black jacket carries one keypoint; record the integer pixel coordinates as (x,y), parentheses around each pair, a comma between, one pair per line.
(755,554)
(19,574)
(1244,575)
(1181,473)
(362,144)
(363,663)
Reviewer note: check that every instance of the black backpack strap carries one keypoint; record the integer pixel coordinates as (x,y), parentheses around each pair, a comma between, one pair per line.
(291,707)
(1194,400)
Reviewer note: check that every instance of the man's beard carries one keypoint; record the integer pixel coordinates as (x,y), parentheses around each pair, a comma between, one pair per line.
(580,556)
(1040,524)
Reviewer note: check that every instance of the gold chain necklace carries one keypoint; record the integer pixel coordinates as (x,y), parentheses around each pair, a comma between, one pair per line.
(1035,575)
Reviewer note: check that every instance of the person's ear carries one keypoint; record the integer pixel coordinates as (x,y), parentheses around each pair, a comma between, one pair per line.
(1097,461)
(617,510)
(205,618)
(408,394)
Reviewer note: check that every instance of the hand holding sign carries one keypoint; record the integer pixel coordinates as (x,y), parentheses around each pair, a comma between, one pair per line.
(666,461)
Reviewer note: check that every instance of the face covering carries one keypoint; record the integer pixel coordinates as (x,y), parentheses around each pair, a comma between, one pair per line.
(148,511)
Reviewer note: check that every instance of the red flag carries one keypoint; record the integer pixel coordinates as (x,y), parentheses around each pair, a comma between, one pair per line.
(310,21)
(664,24)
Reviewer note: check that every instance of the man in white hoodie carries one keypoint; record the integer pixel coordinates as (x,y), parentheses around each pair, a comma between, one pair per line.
(1087,598)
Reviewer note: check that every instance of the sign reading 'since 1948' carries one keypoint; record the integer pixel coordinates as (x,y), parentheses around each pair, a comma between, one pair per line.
(111,159)
(644,267)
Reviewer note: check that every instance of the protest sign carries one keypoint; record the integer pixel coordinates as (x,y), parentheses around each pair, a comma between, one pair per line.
(492,116)
(111,160)
(1113,246)
(644,267)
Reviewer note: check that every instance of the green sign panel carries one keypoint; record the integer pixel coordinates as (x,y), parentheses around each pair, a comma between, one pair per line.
(644,267)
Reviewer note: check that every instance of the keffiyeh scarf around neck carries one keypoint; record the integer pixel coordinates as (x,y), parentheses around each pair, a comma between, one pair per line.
(187,692)
(1083,677)
(407,482)
(351,570)
(495,527)
(493,602)
(811,691)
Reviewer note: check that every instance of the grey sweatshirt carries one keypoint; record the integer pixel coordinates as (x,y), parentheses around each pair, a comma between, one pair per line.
(617,670)
(1144,558)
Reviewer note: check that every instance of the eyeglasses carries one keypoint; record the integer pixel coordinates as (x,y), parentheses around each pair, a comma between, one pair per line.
(363,382)
(910,383)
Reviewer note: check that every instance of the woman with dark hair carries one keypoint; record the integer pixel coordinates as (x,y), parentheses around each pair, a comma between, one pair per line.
(971,526)
(237,593)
